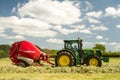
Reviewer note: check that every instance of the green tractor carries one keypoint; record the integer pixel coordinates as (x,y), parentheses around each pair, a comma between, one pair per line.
(73,55)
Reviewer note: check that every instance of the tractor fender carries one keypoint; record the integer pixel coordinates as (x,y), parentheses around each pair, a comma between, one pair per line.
(27,60)
(65,50)
(91,55)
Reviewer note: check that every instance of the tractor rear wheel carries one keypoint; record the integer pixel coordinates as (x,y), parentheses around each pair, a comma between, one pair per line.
(93,61)
(64,59)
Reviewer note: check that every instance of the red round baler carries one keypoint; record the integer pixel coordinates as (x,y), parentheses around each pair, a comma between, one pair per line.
(25,53)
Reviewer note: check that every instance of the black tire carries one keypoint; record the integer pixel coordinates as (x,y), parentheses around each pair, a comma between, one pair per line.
(93,61)
(23,64)
(64,59)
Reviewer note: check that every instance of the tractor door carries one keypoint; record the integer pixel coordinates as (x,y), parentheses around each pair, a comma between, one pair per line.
(80,50)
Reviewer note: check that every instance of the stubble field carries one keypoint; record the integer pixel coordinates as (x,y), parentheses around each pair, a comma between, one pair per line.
(108,71)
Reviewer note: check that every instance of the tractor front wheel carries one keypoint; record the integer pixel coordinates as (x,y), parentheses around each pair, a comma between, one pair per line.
(64,59)
(93,61)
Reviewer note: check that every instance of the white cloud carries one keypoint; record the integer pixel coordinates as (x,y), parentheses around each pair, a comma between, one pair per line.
(88,5)
(65,30)
(18,37)
(78,26)
(73,29)
(99,37)
(113,43)
(77,4)
(92,20)
(112,11)
(100,28)
(87,44)
(54,40)
(117,48)
(82,29)
(1,29)
(50,11)
(3,35)
(95,14)
(86,31)
(114,46)
(106,39)
(27,26)
(118,6)
(118,26)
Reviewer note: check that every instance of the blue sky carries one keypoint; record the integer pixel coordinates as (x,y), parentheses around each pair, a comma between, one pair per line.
(48,22)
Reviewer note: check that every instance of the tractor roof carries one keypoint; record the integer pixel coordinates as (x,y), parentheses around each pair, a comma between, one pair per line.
(73,41)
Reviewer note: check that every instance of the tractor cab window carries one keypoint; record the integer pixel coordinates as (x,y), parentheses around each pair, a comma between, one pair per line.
(71,45)
(68,45)
(75,46)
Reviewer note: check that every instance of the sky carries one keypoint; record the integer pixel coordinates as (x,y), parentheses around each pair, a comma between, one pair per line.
(48,22)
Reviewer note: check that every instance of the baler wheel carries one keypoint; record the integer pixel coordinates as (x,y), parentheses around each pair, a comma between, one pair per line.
(22,64)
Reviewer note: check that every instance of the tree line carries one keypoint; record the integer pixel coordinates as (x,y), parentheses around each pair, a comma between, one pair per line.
(4,51)
(105,53)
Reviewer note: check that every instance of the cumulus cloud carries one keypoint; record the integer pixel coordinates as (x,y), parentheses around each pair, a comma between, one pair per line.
(93,17)
(37,18)
(92,20)
(85,31)
(50,11)
(18,37)
(113,43)
(27,26)
(82,29)
(88,6)
(54,40)
(78,26)
(65,31)
(94,14)
(99,37)
(1,29)
(112,11)
(73,29)
(118,26)
(87,44)
(115,46)
(100,28)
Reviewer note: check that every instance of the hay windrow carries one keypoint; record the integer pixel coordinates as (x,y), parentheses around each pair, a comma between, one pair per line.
(107,68)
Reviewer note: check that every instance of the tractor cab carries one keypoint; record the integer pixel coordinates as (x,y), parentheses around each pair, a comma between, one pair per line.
(73,45)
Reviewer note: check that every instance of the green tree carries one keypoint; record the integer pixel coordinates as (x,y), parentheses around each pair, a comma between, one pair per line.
(100,46)
(4,51)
